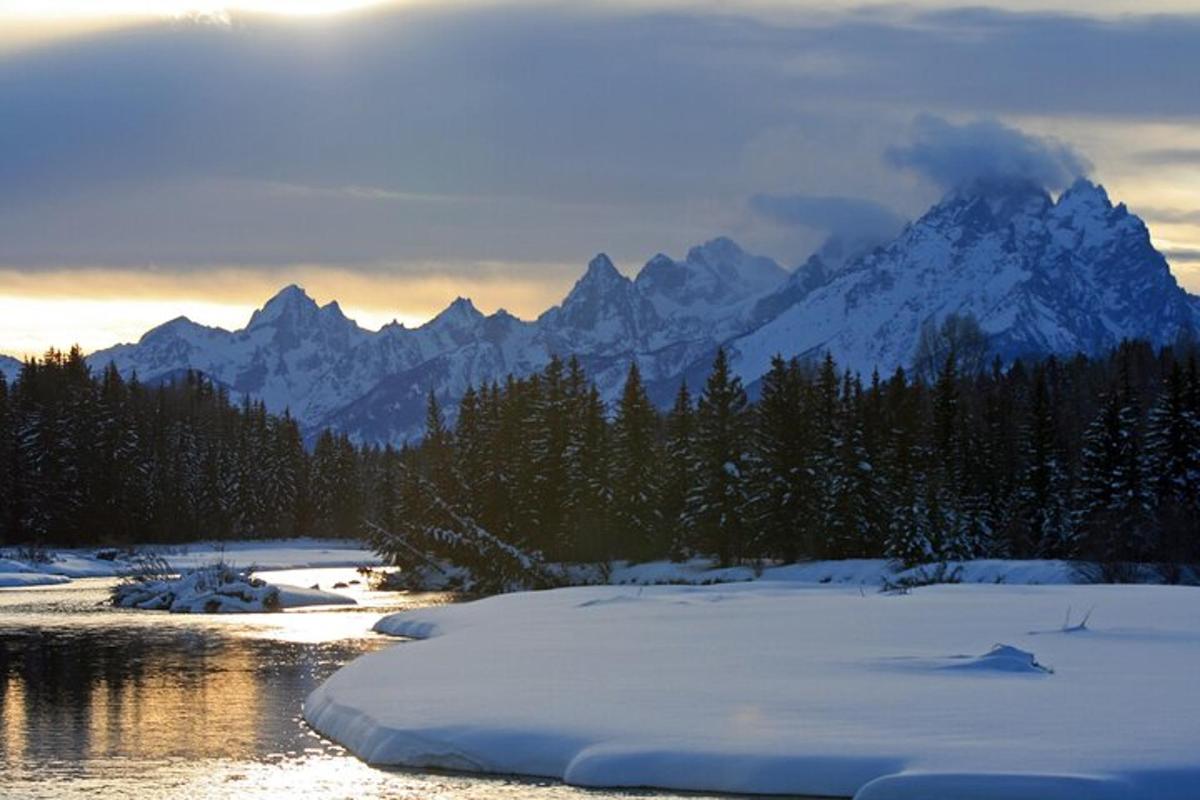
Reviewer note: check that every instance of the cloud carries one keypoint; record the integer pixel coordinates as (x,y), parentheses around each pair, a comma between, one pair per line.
(1171,216)
(1170,156)
(985,151)
(849,218)
(1182,254)
(520,133)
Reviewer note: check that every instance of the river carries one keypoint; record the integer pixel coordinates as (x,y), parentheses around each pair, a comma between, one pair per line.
(103,703)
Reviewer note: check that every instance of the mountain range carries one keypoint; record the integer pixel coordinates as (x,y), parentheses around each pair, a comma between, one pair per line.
(1041,275)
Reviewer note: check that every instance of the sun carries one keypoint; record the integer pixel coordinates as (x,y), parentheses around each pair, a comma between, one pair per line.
(65,9)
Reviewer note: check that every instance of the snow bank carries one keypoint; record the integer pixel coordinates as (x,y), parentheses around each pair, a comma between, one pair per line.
(217,589)
(857,571)
(20,575)
(108,563)
(774,687)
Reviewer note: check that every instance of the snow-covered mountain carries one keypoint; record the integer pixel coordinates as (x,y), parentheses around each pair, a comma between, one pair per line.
(9,367)
(1040,275)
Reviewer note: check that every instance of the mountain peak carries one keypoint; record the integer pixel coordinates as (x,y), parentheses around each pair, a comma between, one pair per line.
(172,327)
(459,313)
(722,249)
(288,302)
(1084,193)
(601,268)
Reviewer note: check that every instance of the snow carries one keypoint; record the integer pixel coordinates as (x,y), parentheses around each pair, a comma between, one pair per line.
(279,554)
(1039,275)
(871,572)
(13,573)
(218,589)
(788,687)
(10,368)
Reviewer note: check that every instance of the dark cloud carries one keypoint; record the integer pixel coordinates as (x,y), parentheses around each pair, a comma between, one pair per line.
(847,217)
(985,151)
(520,132)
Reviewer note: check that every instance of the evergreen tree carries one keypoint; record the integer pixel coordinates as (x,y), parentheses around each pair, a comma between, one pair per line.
(1042,526)
(1173,466)
(852,533)
(589,502)
(781,486)
(719,505)
(635,472)
(679,471)
(1112,507)
(908,538)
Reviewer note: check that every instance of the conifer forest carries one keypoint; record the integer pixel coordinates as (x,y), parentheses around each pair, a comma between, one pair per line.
(1095,459)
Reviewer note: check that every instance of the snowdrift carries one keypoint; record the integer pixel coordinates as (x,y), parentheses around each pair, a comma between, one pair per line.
(216,589)
(774,687)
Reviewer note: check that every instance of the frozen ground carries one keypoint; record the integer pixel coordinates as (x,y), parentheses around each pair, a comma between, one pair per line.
(263,555)
(789,687)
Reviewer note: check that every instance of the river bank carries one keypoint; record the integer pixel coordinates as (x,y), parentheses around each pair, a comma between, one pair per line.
(792,687)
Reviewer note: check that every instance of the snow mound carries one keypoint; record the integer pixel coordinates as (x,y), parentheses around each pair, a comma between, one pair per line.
(216,589)
(1001,658)
(301,596)
(23,578)
(779,689)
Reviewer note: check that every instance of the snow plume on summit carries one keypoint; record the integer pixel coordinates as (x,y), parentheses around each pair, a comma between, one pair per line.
(852,224)
(986,152)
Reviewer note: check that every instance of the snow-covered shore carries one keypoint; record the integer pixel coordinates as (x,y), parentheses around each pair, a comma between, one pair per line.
(791,687)
(263,555)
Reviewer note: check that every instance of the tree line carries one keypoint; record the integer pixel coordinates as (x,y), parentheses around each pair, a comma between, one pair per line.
(1088,458)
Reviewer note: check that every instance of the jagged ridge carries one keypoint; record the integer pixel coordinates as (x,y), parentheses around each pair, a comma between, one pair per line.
(1076,274)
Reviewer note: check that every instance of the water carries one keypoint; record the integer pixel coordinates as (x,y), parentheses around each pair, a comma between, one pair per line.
(103,703)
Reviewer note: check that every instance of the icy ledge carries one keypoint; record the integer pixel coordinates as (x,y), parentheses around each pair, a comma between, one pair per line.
(778,688)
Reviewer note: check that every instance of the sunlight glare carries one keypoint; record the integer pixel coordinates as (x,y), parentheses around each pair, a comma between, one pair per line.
(61,9)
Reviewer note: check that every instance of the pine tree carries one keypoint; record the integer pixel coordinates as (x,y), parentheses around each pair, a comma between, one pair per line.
(781,491)
(1172,462)
(948,506)
(1112,506)
(635,472)
(720,502)
(824,460)
(679,470)
(437,453)
(1042,525)
(907,535)
(852,533)
(589,500)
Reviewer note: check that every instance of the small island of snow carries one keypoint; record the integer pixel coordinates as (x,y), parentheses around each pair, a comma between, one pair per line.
(772,687)
(216,589)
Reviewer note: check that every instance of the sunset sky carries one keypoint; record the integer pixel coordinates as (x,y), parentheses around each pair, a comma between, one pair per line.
(164,157)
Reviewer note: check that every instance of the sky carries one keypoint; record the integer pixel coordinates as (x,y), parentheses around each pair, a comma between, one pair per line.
(165,157)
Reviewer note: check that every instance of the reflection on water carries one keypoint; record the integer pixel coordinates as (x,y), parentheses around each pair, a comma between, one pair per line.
(105,703)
